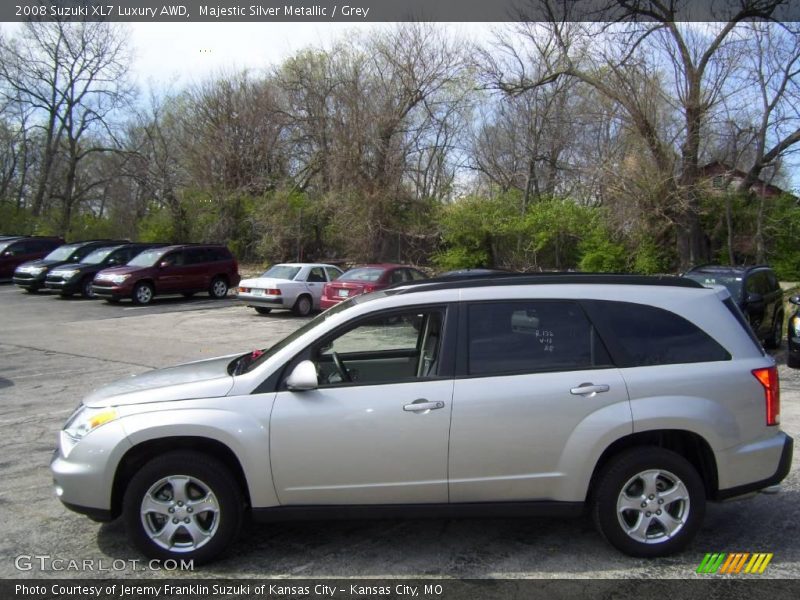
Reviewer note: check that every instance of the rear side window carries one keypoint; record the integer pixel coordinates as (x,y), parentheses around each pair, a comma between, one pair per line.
(506,338)
(639,335)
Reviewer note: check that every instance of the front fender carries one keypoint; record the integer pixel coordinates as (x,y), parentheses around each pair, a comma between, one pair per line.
(244,433)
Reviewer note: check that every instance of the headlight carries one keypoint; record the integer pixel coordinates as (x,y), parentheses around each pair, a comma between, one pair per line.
(117,279)
(65,274)
(795,323)
(86,419)
(32,270)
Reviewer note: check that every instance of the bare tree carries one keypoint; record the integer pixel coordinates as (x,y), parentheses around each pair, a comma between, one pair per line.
(625,62)
(72,77)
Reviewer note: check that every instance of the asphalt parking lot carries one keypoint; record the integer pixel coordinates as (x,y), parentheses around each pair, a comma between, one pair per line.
(55,351)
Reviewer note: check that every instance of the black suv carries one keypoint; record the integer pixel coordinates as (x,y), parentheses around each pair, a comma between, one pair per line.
(75,278)
(755,290)
(31,275)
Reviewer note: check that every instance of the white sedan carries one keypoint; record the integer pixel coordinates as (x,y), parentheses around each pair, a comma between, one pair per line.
(293,286)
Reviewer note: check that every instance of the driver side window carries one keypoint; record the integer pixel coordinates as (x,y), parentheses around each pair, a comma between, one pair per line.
(385,349)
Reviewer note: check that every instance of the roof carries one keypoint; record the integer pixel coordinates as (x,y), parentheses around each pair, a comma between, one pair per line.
(726,268)
(505,279)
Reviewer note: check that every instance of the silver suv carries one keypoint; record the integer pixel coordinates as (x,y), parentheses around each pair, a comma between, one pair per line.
(635,398)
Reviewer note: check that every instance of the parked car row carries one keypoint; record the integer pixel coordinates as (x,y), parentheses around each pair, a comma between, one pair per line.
(303,287)
(119,269)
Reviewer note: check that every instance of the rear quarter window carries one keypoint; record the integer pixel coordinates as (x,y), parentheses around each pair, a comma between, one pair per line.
(638,335)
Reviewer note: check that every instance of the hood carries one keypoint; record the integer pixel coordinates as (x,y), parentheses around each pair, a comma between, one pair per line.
(201,379)
(263,282)
(123,270)
(46,263)
(81,267)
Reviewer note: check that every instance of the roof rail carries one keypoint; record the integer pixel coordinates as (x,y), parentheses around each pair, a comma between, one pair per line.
(555,278)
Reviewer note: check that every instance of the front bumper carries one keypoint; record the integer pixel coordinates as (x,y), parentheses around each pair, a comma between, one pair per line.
(112,291)
(28,281)
(83,478)
(63,286)
(762,457)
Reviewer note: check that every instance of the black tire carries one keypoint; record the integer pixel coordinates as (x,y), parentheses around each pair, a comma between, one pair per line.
(201,477)
(672,521)
(218,288)
(86,288)
(303,306)
(262,310)
(143,293)
(792,362)
(774,339)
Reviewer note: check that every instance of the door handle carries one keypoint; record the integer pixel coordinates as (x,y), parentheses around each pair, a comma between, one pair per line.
(589,389)
(423,405)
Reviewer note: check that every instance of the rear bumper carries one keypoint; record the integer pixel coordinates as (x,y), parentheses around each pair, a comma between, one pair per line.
(762,452)
(325,302)
(267,301)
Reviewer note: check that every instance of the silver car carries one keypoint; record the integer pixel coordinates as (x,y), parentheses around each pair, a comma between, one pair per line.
(292,286)
(637,399)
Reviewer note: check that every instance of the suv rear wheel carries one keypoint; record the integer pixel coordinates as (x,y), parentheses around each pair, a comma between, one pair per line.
(649,502)
(183,505)
(218,288)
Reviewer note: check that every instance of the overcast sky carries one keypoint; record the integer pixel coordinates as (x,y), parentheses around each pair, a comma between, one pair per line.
(177,54)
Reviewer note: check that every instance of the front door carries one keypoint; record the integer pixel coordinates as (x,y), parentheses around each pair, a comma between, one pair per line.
(376,429)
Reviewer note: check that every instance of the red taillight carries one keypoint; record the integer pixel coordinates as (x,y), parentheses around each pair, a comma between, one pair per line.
(369,288)
(244,290)
(272,292)
(768,377)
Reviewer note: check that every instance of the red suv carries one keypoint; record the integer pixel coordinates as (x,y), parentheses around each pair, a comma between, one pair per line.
(185,269)
(364,279)
(16,250)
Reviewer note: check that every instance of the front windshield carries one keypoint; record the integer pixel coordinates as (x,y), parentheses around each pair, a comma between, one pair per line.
(98,256)
(248,362)
(148,258)
(362,274)
(732,282)
(281,272)
(61,253)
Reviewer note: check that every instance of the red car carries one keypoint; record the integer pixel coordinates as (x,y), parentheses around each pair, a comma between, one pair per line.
(364,279)
(182,269)
(16,250)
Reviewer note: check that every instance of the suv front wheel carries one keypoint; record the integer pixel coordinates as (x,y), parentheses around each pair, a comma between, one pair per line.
(649,502)
(183,505)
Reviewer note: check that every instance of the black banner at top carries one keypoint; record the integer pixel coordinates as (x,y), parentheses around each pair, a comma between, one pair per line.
(396,10)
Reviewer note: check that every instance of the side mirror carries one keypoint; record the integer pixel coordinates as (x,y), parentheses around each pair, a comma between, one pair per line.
(754,298)
(163,264)
(8,253)
(795,300)
(303,377)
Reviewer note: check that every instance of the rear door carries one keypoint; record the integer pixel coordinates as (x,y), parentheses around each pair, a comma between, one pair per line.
(315,281)
(533,379)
